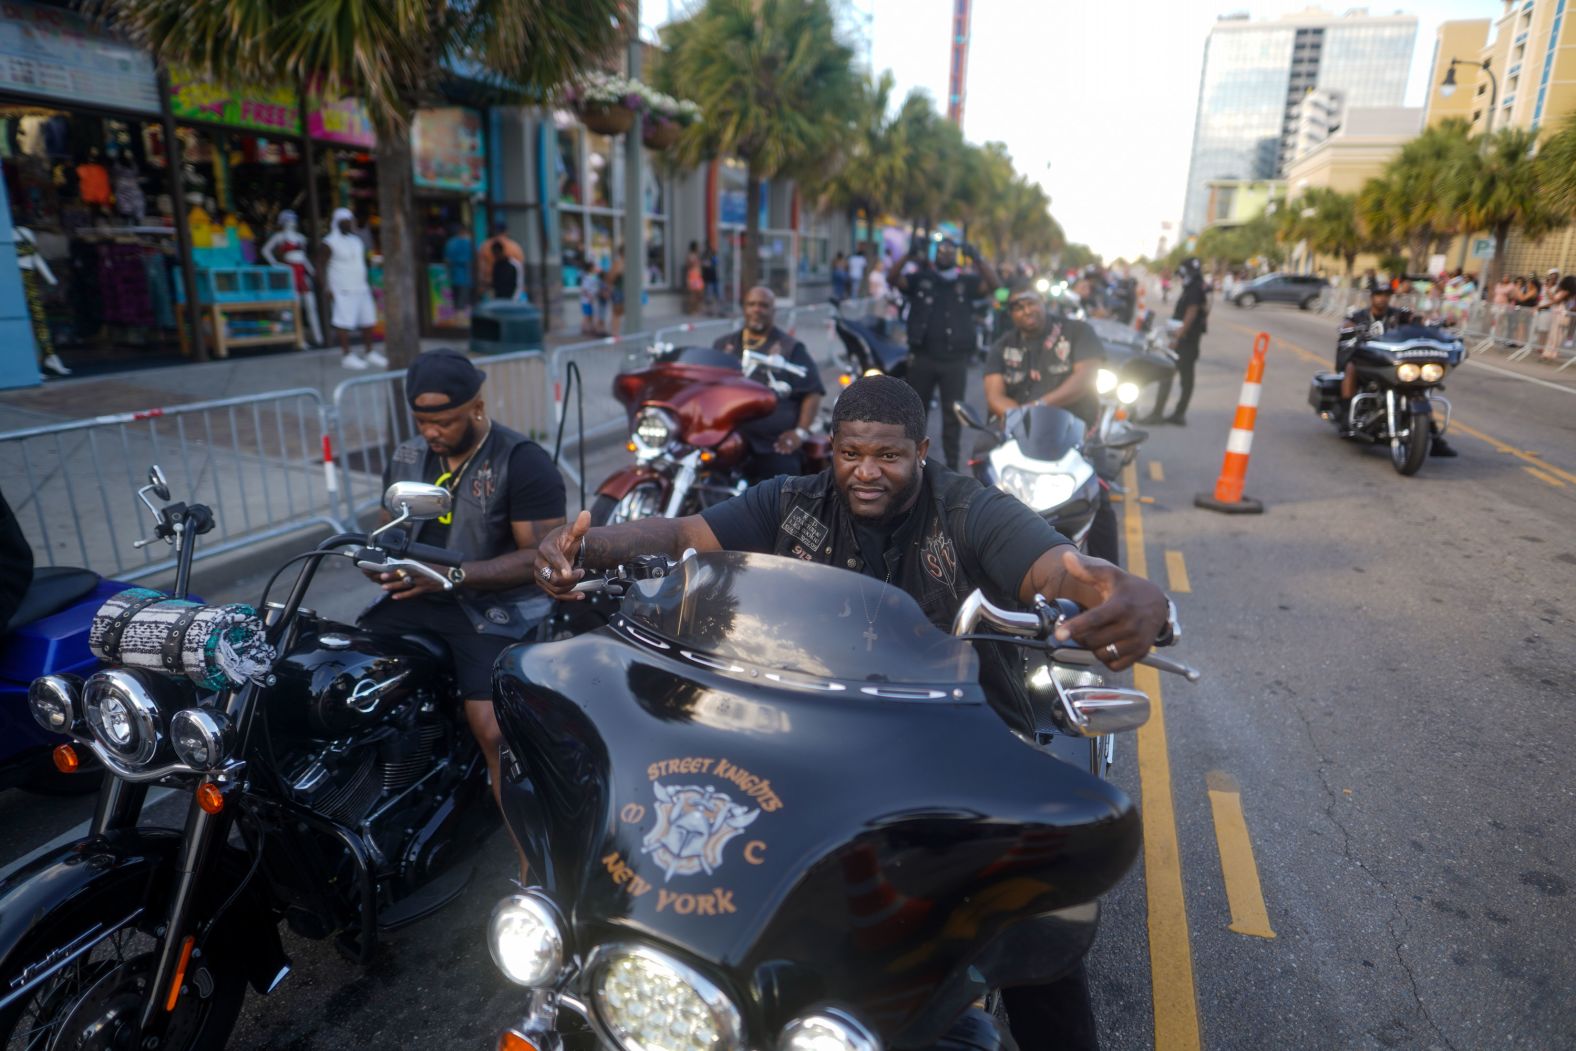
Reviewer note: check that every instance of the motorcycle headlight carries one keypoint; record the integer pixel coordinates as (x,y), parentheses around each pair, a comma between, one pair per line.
(1042,286)
(651,1002)
(1407,372)
(1039,491)
(201,737)
(1433,372)
(874,372)
(654,429)
(1127,393)
(526,940)
(53,700)
(122,714)
(1105,381)
(828,1030)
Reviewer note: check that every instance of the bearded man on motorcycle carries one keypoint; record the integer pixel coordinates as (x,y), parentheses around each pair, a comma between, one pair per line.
(886,510)
(508,495)
(1375,319)
(775,441)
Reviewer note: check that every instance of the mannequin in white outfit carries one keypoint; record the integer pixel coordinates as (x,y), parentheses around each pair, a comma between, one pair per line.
(287,247)
(35,269)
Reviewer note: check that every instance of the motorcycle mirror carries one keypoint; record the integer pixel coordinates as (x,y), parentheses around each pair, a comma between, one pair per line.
(417,500)
(156,481)
(968,417)
(1095,711)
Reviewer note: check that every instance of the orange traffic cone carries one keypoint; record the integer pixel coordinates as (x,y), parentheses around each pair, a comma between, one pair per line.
(879,912)
(1227,496)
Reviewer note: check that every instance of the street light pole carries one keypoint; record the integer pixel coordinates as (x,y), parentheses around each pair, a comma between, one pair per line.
(1447,87)
(634,194)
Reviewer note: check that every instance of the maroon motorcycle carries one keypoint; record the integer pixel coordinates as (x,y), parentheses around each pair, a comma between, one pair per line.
(685,410)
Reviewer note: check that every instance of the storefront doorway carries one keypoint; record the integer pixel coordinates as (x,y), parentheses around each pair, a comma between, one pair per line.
(449,277)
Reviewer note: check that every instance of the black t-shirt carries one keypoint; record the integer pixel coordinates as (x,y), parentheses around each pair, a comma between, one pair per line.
(536,492)
(1193,295)
(1032,365)
(763,432)
(1005,537)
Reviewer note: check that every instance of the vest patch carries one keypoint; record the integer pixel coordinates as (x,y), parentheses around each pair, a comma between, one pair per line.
(407,454)
(940,558)
(800,525)
(497,616)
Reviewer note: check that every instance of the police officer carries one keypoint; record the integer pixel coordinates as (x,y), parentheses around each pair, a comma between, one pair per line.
(1375,319)
(1192,310)
(1050,359)
(941,331)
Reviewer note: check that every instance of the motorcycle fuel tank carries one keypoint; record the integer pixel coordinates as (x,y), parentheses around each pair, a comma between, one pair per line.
(783,772)
(337,679)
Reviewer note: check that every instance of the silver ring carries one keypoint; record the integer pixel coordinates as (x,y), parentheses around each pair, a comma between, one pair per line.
(1110,648)
(547,573)
(404,575)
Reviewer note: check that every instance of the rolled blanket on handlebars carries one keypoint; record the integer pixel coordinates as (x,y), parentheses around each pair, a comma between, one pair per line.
(213,646)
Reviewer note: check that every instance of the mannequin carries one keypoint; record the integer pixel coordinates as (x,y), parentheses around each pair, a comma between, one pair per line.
(130,202)
(288,244)
(34,268)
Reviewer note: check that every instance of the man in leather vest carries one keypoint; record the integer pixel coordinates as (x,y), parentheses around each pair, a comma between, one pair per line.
(776,441)
(884,510)
(507,496)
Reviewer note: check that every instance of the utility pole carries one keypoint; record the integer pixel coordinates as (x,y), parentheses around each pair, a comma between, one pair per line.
(634,196)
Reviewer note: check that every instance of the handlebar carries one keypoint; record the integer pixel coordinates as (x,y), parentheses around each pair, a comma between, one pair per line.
(399,543)
(776,362)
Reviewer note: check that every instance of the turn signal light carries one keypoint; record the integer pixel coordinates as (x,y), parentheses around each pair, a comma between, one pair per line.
(1121,414)
(66,760)
(512,1041)
(845,379)
(707,457)
(630,446)
(210,798)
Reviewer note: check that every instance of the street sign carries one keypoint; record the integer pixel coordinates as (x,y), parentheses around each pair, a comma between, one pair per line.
(1483,248)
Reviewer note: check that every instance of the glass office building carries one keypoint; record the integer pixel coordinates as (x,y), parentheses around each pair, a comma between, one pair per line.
(1255,75)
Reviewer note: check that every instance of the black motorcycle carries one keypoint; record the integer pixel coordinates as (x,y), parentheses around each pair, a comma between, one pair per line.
(731,850)
(1399,376)
(332,787)
(869,349)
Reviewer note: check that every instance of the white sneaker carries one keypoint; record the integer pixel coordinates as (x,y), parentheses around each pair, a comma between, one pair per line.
(55,365)
(354,361)
(377,357)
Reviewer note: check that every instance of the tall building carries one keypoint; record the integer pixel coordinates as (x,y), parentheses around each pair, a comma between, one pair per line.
(1463,40)
(1319,116)
(1256,75)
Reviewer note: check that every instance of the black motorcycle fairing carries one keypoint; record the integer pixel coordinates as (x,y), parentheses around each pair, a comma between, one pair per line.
(868,345)
(104,880)
(1045,432)
(800,844)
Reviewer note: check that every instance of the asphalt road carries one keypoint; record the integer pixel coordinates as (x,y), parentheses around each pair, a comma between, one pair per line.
(1387,667)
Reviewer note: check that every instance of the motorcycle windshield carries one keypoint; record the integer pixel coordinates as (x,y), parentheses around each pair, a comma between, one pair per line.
(1413,334)
(1045,432)
(799,617)
(707,356)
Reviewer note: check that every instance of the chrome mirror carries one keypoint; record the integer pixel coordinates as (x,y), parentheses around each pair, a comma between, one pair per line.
(968,417)
(417,500)
(1093,711)
(157,483)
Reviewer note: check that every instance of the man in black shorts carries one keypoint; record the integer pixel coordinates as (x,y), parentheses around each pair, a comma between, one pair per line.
(507,496)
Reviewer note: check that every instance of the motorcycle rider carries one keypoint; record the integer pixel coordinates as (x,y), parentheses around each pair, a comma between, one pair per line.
(941,327)
(885,510)
(1377,318)
(1051,359)
(508,495)
(776,441)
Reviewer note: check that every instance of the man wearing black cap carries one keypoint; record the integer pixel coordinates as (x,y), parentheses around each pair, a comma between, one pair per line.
(1373,321)
(507,495)
(941,333)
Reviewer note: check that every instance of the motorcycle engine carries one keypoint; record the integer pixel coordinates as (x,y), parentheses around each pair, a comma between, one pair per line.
(349,780)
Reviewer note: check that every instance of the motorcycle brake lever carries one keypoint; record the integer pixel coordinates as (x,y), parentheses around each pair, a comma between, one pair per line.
(405,565)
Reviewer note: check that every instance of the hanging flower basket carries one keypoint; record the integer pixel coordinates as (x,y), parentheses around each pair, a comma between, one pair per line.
(605,119)
(659,133)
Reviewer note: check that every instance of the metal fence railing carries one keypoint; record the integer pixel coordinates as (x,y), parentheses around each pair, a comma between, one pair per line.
(257,461)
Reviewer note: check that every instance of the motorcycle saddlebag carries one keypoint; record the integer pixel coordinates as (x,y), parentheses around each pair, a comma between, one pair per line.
(1324,394)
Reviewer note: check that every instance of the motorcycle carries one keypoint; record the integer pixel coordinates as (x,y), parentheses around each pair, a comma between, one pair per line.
(729,854)
(331,785)
(1399,375)
(868,350)
(685,407)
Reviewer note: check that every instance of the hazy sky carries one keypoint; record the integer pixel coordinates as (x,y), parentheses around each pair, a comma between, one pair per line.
(1096,100)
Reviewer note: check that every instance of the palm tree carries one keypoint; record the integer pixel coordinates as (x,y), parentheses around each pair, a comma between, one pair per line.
(870,172)
(392,54)
(1418,179)
(1557,168)
(1378,218)
(1497,189)
(1327,220)
(777,87)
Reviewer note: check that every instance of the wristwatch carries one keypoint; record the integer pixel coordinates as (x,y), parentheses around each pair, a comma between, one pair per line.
(457,575)
(803,434)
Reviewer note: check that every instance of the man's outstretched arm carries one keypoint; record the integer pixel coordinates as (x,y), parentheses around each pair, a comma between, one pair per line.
(610,546)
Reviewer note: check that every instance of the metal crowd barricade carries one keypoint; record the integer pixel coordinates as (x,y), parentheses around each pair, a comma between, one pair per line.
(370,417)
(257,461)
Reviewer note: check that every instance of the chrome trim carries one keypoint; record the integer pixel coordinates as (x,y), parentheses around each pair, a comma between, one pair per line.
(807,684)
(1440,399)
(724,1011)
(283,973)
(642,637)
(1358,399)
(545,912)
(1389,412)
(683,482)
(364,698)
(63,690)
(708,662)
(143,709)
(904,693)
(854,1034)
(30,979)
(216,731)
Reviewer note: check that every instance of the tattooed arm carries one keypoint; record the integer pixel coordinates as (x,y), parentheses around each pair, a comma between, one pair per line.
(609,546)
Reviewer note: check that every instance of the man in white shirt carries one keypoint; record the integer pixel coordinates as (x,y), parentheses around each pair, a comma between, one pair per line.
(856,273)
(345,264)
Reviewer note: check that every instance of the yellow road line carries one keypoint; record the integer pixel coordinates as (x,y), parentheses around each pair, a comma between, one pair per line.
(1544,476)
(1170,954)
(1455,422)
(1243,893)
(1156,472)
(1176,573)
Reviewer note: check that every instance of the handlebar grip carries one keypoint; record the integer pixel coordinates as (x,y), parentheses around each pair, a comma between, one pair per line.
(438,556)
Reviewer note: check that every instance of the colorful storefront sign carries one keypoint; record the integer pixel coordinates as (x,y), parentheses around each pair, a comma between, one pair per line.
(340,120)
(58,54)
(450,149)
(270,110)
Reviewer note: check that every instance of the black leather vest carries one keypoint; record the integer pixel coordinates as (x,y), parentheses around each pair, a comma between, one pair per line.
(481,528)
(942,305)
(938,569)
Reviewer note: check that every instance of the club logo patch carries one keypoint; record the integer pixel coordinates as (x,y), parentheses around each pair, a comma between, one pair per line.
(807,530)
(406,454)
(940,558)
(693,826)
(497,616)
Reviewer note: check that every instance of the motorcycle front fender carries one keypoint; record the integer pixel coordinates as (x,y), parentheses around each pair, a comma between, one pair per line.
(618,484)
(93,882)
